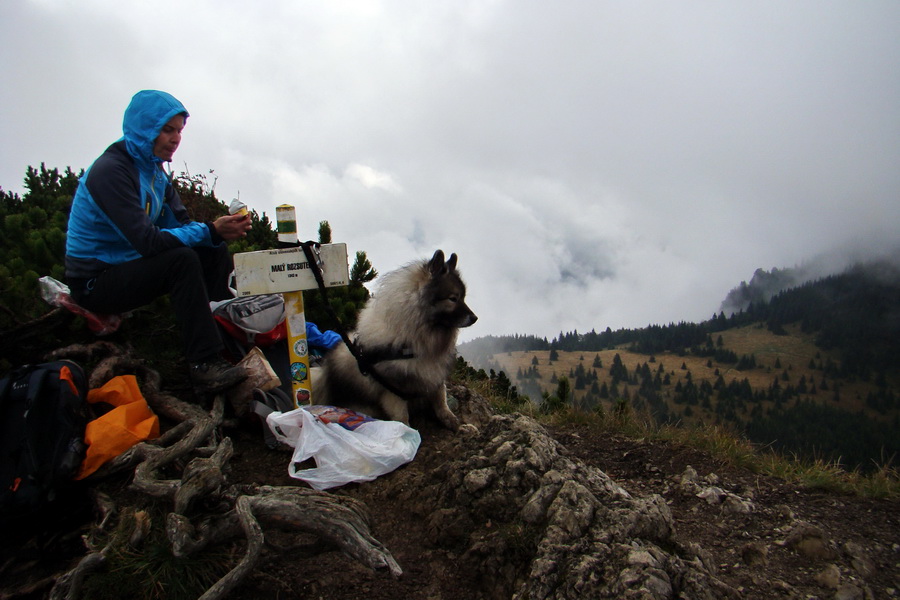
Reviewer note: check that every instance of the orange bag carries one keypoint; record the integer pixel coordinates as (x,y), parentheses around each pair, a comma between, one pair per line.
(129,423)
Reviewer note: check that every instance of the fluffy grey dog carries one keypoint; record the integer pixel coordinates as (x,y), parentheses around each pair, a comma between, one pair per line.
(407,334)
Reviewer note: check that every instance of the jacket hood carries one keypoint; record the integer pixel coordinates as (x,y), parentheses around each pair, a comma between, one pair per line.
(145,116)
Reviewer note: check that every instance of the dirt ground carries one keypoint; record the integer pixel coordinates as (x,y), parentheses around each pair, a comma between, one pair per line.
(641,467)
(647,468)
(750,551)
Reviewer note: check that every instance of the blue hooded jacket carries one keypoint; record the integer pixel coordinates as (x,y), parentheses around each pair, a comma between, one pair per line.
(125,207)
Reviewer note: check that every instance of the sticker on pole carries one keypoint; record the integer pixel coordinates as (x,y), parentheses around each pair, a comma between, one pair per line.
(287,270)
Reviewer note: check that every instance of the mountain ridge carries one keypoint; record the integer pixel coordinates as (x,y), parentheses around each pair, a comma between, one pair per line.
(844,297)
(810,371)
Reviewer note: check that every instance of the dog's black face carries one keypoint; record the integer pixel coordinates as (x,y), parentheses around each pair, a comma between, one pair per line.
(445,294)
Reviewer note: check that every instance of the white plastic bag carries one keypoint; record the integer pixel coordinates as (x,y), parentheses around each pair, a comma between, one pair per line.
(52,289)
(56,293)
(347,446)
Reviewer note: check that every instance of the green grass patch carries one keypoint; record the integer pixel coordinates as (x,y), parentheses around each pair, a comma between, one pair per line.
(719,442)
(151,571)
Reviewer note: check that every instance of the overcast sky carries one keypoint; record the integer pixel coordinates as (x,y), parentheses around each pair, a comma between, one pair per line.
(594,164)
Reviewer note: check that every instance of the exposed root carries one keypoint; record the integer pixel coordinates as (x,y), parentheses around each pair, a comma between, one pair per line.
(338,520)
(254,535)
(68,587)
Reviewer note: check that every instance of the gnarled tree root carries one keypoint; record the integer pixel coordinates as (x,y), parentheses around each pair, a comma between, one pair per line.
(340,520)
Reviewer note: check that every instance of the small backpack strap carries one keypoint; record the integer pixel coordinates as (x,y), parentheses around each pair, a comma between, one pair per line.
(283,402)
(36,382)
(264,404)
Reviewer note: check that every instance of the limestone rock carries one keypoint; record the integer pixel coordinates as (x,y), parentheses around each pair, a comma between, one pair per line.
(848,591)
(809,540)
(755,553)
(734,504)
(587,537)
(713,495)
(859,559)
(830,577)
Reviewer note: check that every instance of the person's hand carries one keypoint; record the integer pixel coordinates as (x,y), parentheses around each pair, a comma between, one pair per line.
(232,227)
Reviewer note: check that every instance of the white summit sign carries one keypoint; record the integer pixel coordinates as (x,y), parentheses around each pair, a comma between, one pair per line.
(287,270)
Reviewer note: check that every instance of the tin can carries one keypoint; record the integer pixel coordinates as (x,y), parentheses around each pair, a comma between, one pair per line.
(237,208)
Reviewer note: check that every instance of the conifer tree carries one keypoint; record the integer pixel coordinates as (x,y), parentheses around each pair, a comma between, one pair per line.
(33,241)
(564,389)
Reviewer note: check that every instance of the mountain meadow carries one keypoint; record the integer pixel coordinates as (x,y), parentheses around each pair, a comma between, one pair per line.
(811,371)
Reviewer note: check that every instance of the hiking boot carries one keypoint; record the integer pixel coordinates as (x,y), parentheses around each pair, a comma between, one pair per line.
(215,376)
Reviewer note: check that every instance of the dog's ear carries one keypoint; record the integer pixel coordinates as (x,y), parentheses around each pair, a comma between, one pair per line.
(451,264)
(436,264)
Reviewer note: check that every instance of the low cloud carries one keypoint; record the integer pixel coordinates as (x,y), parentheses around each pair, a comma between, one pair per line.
(592,164)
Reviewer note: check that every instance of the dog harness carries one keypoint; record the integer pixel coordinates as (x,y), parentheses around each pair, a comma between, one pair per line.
(365,360)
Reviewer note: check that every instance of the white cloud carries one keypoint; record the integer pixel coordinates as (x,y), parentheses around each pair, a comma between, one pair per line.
(371,178)
(593,164)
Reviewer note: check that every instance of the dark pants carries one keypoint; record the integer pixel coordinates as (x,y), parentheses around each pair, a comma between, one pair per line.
(191,276)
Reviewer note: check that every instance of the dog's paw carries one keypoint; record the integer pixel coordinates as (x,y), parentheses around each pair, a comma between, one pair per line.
(448,420)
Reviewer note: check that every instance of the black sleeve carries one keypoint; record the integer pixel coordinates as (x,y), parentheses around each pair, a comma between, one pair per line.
(114,185)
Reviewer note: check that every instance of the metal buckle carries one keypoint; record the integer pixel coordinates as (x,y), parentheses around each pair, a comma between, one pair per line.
(318,254)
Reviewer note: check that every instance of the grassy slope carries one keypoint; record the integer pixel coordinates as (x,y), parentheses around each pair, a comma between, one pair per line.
(793,351)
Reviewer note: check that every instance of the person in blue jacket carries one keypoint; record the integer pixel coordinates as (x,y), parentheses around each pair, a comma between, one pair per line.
(130,239)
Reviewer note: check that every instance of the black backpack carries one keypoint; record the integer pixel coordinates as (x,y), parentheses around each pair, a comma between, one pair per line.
(43,415)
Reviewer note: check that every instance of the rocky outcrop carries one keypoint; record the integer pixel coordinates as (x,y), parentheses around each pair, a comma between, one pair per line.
(532,523)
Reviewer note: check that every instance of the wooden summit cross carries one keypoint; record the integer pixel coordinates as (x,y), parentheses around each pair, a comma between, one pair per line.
(286,271)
